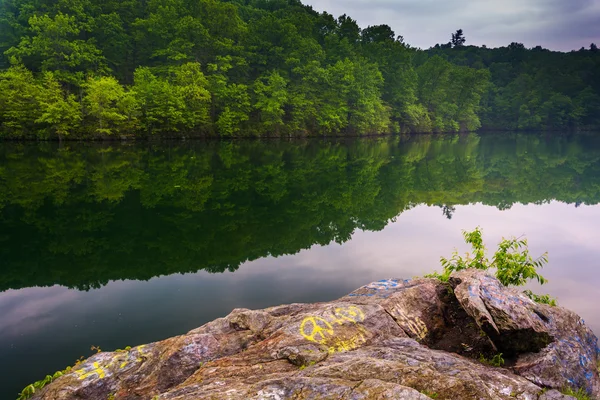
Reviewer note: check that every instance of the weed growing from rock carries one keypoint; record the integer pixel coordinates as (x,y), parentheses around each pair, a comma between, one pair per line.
(512,263)
(496,361)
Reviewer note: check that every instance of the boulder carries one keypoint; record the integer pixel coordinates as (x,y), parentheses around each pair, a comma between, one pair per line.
(553,347)
(515,323)
(392,339)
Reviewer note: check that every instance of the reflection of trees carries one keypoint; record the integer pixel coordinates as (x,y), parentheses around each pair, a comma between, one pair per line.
(448,211)
(85,214)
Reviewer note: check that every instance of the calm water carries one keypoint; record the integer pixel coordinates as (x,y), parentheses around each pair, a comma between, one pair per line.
(114,245)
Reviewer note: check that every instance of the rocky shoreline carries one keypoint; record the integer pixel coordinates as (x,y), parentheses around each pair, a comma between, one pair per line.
(470,338)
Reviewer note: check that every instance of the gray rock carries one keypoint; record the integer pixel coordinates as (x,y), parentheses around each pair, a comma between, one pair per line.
(552,345)
(514,322)
(392,339)
(555,395)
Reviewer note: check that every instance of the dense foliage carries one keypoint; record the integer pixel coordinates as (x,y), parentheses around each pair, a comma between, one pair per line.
(534,88)
(80,215)
(90,68)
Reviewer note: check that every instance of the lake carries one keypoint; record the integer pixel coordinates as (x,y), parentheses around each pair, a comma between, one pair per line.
(117,244)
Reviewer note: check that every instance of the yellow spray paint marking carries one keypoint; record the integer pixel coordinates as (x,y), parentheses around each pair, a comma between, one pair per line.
(320,329)
(415,325)
(418,327)
(350,314)
(140,350)
(96,371)
(120,360)
(338,345)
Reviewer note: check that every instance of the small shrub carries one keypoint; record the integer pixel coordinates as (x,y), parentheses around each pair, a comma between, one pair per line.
(512,263)
(30,389)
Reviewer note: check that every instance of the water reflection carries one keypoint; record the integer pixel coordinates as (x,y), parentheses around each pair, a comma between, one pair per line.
(80,216)
(279,214)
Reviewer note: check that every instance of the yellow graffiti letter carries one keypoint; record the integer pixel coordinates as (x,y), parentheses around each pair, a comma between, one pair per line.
(320,328)
(96,371)
(352,314)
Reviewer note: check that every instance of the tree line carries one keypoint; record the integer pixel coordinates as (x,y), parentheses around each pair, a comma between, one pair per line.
(180,68)
(139,211)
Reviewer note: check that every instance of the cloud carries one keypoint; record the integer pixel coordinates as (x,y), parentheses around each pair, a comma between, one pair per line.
(554,24)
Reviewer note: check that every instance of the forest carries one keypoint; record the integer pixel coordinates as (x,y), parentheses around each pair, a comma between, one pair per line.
(83,214)
(91,69)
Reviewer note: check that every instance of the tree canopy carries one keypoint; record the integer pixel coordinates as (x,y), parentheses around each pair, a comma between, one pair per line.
(180,68)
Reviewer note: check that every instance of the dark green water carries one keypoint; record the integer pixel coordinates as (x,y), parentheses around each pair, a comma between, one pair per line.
(121,244)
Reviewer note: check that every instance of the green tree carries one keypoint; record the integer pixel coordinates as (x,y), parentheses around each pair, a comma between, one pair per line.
(271,97)
(348,29)
(230,102)
(458,39)
(232,116)
(378,34)
(192,85)
(10,29)
(109,106)
(19,101)
(55,46)
(367,112)
(434,78)
(319,103)
(162,104)
(114,38)
(467,86)
(60,111)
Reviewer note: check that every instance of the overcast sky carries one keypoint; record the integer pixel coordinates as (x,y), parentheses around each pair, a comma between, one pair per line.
(554,24)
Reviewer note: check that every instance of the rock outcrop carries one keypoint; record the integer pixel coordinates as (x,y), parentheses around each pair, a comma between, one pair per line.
(392,339)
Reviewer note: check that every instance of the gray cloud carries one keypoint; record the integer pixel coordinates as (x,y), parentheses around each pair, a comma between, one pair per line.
(554,24)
